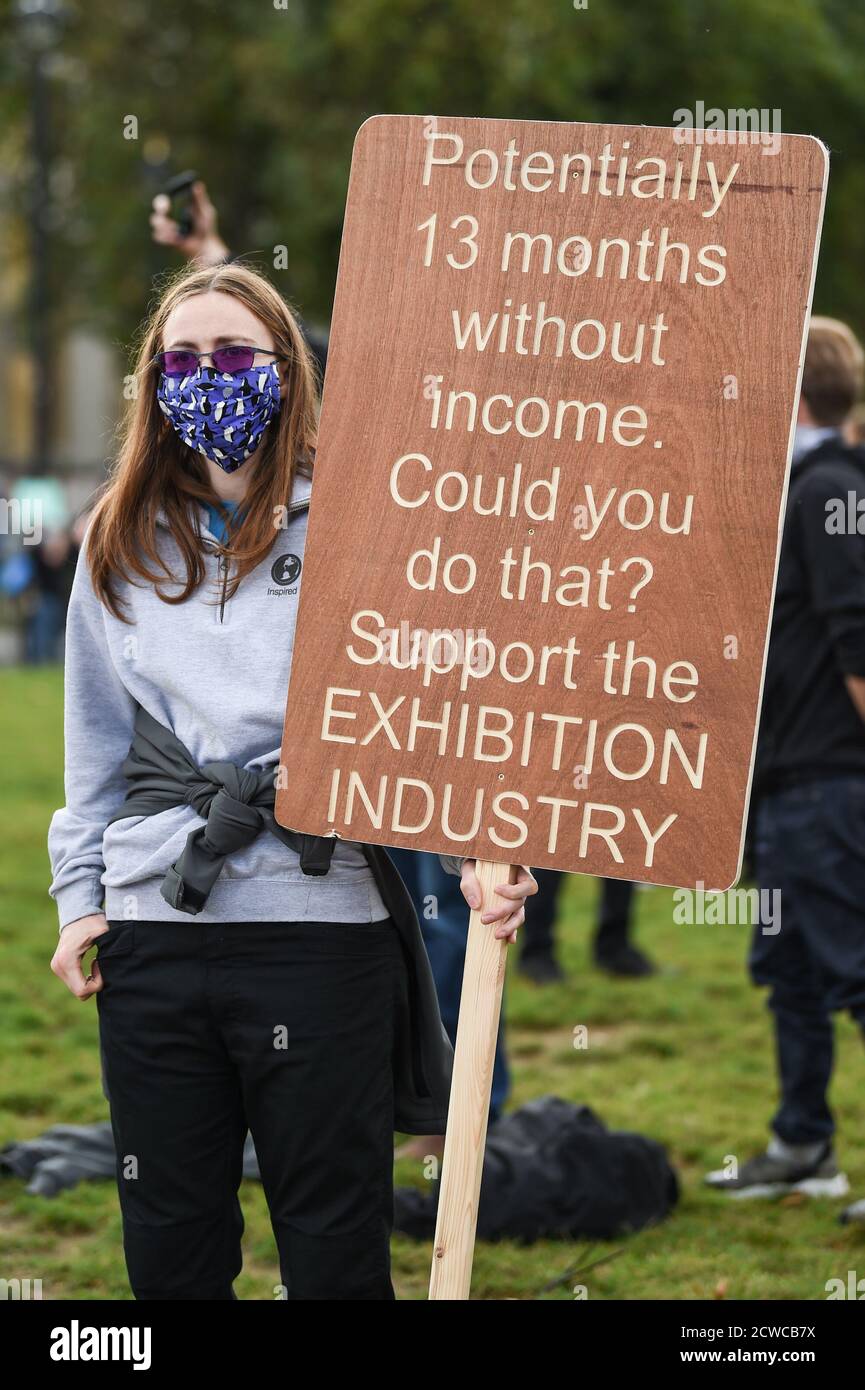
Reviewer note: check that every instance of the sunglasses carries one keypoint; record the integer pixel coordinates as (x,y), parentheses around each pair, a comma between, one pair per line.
(234,358)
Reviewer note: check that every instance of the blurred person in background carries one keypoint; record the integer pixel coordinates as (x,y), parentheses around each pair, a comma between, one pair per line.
(613,950)
(808,802)
(37,566)
(53,560)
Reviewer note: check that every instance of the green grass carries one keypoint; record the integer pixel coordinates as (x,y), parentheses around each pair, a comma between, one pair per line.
(685,1057)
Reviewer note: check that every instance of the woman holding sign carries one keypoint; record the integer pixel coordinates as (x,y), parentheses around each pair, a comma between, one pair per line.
(247,977)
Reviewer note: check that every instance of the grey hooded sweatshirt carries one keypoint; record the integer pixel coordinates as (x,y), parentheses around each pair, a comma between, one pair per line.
(216,672)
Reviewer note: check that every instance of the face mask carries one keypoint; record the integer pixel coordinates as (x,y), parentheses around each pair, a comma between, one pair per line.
(220,414)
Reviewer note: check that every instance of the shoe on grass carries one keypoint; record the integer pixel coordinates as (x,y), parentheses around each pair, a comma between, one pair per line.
(541,970)
(783,1168)
(625,961)
(855,1213)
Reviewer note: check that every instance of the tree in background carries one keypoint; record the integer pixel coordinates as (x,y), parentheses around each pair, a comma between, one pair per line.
(264,99)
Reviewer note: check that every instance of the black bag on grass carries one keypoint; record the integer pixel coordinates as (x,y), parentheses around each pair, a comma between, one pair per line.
(553,1170)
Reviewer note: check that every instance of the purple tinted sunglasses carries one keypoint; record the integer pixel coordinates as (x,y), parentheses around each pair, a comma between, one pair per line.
(234,358)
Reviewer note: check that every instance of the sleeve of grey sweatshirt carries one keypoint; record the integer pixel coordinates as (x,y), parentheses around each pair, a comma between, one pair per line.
(452,864)
(97,724)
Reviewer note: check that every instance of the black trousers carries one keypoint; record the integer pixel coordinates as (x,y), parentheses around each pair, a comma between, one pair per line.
(285,1029)
(614,916)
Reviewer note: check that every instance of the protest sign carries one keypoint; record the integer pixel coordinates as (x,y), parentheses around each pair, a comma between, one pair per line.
(548,492)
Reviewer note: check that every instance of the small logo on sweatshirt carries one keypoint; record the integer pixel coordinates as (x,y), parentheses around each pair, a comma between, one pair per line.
(285,572)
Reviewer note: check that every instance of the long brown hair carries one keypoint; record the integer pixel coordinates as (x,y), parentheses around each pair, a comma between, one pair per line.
(154,470)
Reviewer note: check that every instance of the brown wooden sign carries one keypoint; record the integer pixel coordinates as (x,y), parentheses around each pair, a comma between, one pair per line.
(548,495)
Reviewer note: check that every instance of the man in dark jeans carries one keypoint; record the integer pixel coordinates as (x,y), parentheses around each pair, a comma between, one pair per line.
(808,811)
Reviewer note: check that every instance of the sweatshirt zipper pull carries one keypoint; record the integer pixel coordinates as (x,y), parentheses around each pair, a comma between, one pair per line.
(223,571)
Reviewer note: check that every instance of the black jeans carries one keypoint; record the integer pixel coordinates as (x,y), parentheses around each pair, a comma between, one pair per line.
(809,842)
(280,1027)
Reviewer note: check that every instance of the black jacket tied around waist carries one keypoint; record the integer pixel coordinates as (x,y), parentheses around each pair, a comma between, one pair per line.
(237,805)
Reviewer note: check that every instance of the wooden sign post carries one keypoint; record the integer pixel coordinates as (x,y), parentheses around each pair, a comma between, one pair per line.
(474,1057)
(549,488)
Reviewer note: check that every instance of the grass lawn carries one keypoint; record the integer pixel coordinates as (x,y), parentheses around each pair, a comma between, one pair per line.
(685,1057)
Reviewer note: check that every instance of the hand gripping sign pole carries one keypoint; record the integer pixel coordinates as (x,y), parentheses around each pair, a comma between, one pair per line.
(465,1139)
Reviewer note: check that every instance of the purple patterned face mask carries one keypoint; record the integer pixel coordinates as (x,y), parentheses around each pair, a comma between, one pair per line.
(222,415)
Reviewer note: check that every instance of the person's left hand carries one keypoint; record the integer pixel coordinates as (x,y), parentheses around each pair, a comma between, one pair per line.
(512,913)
